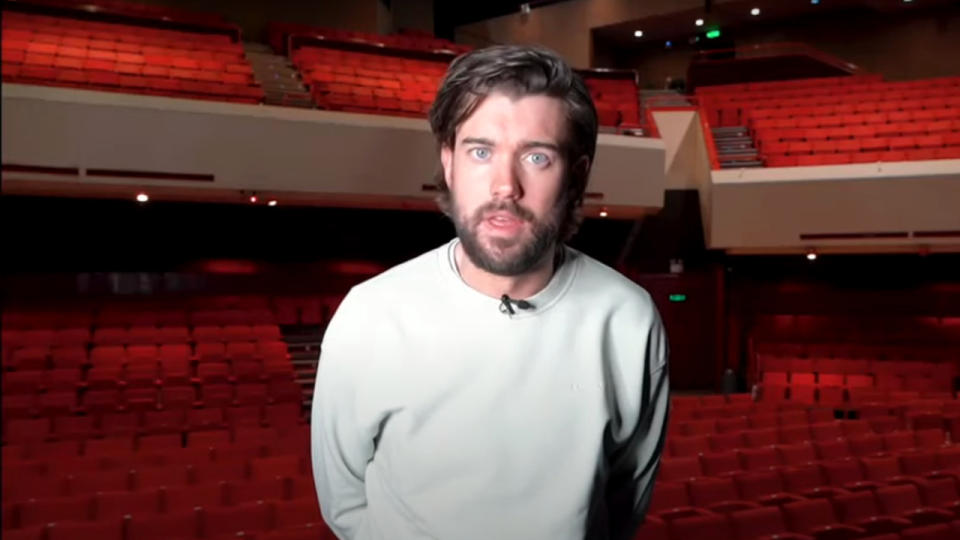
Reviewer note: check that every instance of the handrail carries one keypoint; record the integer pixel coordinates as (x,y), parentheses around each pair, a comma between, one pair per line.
(770,49)
(296,40)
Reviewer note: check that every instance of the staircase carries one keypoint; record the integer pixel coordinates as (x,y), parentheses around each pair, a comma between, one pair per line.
(279,79)
(303,343)
(735,148)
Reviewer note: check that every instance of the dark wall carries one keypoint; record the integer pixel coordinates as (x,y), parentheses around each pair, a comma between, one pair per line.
(900,47)
(81,235)
(378,16)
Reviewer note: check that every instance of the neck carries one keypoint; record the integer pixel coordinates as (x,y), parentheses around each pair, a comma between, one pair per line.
(493,285)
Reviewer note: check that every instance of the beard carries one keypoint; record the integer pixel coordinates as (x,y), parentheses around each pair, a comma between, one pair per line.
(512,256)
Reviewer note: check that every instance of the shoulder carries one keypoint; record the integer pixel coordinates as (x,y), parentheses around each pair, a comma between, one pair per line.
(624,296)
(412,277)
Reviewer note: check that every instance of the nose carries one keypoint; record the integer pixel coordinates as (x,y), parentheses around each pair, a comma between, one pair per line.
(505,183)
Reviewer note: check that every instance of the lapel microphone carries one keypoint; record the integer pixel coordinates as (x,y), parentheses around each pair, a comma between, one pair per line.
(507,303)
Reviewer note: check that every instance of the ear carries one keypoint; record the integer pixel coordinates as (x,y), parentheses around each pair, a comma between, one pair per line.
(446,161)
(582,167)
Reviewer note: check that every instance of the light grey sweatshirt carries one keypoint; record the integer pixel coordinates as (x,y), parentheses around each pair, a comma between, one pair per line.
(438,416)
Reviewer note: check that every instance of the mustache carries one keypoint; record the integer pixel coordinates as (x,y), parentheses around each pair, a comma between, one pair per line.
(510,207)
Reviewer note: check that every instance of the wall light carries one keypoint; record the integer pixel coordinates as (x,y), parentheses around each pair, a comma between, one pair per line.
(142,197)
(698,22)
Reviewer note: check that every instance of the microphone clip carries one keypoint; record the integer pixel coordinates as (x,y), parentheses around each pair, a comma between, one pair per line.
(507,303)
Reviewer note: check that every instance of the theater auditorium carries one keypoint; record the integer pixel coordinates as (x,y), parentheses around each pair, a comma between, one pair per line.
(190,190)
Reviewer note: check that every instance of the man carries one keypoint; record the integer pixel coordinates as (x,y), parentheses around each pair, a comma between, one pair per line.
(502,386)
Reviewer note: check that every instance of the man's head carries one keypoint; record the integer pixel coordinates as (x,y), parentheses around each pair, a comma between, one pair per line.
(517,132)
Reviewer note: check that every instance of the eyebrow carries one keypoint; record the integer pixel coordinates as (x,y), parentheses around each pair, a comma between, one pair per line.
(526,145)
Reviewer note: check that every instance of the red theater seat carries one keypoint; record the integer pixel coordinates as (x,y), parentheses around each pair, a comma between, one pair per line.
(174,524)
(101,530)
(245,518)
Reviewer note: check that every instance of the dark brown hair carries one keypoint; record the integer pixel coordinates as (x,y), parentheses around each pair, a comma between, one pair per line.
(519,71)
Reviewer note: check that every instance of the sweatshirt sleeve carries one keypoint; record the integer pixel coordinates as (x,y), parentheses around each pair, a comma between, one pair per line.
(634,467)
(341,443)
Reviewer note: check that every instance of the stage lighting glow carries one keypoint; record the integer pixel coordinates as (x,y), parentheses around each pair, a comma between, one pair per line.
(272,203)
(811,255)
(755,11)
(253,198)
(713,34)
(638,33)
(699,22)
(668,44)
(814,2)
(142,197)
(603,213)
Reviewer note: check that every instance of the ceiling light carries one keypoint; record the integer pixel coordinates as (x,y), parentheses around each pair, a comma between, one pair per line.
(272,202)
(698,22)
(755,11)
(638,33)
(142,197)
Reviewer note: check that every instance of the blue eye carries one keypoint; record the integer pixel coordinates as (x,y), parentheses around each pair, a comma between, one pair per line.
(480,153)
(538,159)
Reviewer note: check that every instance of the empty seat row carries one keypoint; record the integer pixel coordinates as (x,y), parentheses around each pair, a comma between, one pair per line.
(82,49)
(199,311)
(140,334)
(852,366)
(297,519)
(773,448)
(48,28)
(895,512)
(34,437)
(165,399)
(761,419)
(171,499)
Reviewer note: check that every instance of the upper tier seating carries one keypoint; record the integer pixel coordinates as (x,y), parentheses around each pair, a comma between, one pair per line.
(830,121)
(385,83)
(62,51)
(368,82)
(616,100)
(279,33)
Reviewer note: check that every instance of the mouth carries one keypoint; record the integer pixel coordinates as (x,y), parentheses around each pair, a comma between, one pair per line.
(503,222)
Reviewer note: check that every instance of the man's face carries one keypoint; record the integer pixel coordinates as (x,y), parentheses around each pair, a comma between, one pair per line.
(506,174)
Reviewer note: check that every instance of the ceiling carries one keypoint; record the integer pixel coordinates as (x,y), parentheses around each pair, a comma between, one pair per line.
(679,26)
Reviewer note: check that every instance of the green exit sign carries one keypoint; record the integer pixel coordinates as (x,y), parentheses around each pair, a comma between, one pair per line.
(713,34)
(678,298)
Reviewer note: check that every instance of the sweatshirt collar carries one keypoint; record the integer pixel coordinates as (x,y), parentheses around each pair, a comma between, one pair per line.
(558,285)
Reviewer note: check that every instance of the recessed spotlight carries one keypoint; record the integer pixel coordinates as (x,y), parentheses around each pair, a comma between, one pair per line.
(603,213)
(142,197)
(638,33)
(272,202)
(698,22)
(755,11)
